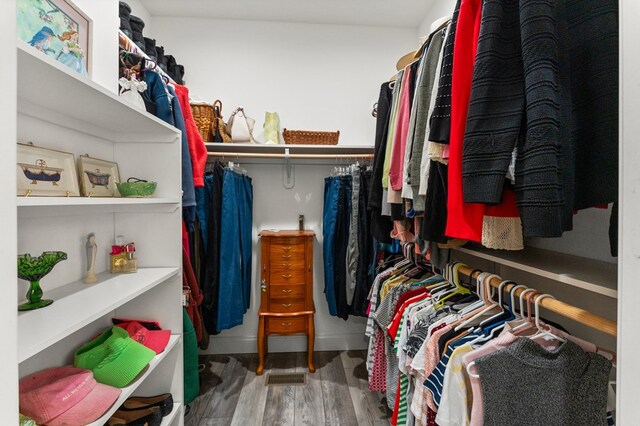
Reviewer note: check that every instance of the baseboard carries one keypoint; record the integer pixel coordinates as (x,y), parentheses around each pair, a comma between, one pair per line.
(242,345)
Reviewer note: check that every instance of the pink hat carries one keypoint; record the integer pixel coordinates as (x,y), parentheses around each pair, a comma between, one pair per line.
(65,396)
(155,340)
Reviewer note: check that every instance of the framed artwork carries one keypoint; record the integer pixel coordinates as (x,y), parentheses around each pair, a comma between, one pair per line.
(98,177)
(56,28)
(45,172)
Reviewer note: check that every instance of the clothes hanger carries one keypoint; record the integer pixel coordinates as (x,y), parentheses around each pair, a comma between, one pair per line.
(526,323)
(489,303)
(542,331)
(456,290)
(512,292)
(503,312)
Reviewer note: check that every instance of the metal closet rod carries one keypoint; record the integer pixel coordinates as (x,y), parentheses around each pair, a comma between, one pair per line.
(569,311)
(282,155)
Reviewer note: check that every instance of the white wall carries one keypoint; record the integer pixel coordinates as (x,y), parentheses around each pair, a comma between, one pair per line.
(8,272)
(317,77)
(277,207)
(138,9)
(438,9)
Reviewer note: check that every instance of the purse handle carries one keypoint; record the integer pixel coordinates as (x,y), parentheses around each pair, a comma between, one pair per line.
(217,108)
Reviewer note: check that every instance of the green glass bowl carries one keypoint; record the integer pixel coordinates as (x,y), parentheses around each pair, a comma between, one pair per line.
(137,189)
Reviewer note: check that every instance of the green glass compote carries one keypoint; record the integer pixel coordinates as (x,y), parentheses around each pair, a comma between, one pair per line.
(33,269)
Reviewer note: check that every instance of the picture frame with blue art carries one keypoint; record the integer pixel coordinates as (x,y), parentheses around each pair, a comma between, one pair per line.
(57,28)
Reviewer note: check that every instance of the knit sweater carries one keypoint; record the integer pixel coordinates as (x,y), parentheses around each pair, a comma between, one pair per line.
(440,124)
(518,44)
(424,91)
(567,386)
(593,50)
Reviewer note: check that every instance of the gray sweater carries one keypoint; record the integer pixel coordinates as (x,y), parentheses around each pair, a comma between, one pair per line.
(526,384)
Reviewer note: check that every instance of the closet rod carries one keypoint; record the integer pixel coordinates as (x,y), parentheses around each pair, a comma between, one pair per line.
(577,314)
(282,155)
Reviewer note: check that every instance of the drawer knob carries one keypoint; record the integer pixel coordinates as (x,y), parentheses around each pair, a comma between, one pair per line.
(286,276)
(286,248)
(287,291)
(286,324)
(263,286)
(286,256)
(286,265)
(287,305)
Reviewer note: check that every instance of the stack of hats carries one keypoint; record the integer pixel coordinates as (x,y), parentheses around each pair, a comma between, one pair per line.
(82,393)
(65,396)
(132,26)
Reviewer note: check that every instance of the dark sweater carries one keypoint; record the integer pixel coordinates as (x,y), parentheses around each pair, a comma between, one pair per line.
(382,129)
(546,82)
(440,124)
(516,101)
(593,50)
(567,386)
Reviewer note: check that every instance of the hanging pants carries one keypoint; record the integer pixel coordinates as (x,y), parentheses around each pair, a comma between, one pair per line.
(235,249)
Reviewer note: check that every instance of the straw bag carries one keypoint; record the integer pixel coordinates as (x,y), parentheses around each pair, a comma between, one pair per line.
(241,127)
(218,126)
(203,116)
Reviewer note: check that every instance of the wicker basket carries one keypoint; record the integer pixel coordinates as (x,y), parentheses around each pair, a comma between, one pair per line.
(308,137)
(202,115)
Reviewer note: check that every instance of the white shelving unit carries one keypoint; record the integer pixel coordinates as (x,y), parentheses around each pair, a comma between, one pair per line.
(59,109)
(587,274)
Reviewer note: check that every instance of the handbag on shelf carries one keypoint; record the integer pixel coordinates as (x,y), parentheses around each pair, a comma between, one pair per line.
(218,126)
(271,128)
(241,127)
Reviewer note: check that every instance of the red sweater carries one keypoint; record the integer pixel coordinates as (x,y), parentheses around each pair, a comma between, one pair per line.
(197,148)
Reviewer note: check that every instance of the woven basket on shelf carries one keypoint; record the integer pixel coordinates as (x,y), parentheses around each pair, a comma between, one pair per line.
(309,137)
(202,115)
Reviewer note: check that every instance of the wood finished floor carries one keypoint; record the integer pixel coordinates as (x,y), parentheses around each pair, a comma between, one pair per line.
(336,394)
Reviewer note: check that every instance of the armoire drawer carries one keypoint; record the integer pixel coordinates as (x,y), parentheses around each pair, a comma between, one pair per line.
(294,251)
(287,277)
(287,241)
(286,305)
(286,291)
(284,265)
(287,324)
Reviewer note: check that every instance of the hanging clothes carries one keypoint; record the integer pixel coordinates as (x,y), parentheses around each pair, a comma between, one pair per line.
(210,220)
(421,355)
(235,249)
(348,248)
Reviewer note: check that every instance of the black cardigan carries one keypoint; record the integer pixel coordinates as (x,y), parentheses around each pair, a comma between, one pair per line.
(538,83)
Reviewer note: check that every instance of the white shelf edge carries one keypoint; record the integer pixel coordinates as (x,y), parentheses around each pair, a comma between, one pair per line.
(66,292)
(279,148)
(127,391)
(56,117)
(535,270)
(168,421)
(84,201)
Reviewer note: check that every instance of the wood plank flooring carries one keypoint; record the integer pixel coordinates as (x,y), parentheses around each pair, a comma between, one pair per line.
(336,394)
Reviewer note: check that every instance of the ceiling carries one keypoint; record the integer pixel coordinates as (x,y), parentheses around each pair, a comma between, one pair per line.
(404,13)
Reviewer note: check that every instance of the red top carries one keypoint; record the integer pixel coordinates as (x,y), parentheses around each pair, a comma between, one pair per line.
(405,300)
(463,220)
(197,148)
